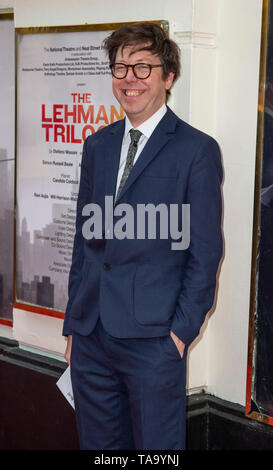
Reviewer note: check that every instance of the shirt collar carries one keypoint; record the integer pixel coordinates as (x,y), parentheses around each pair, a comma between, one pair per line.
(148,126)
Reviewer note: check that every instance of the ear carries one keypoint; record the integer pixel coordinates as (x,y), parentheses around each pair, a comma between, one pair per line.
(169,81)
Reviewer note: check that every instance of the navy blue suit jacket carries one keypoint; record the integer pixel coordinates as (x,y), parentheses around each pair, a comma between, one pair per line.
(141,287)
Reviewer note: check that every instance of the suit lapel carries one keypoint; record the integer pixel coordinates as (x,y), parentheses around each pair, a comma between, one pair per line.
(159,138)
(112,150)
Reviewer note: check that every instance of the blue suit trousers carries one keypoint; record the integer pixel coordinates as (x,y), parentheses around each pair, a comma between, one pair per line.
(129,393)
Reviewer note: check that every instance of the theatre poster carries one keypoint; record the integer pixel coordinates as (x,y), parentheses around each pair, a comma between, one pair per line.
(7,165)
(64,94)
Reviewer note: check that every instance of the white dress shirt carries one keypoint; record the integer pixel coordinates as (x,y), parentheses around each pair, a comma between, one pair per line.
(147,128)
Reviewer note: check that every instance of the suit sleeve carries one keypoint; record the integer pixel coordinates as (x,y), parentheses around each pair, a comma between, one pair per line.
(75,275)
(205,250)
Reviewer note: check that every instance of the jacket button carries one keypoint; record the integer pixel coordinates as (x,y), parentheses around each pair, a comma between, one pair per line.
(107,266)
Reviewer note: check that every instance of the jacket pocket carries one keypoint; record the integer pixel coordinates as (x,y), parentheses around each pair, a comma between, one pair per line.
(155,293)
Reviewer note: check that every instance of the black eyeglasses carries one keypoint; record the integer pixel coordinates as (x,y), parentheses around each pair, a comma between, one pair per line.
(141,71)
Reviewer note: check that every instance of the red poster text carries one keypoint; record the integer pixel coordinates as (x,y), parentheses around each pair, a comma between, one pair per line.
(73,123)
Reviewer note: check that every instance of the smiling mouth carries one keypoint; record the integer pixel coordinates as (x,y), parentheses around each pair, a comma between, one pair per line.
(132,92)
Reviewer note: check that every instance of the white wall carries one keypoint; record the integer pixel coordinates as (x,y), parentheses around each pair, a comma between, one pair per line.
(238,36)
(218,93)
(6,4)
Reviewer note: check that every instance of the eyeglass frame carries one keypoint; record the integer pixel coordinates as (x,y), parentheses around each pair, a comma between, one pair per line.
(133,69)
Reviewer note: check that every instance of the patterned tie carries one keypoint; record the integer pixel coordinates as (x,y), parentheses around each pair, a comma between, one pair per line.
(135,136)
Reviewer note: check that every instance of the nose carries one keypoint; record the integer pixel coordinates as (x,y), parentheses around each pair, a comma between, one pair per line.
(130,75)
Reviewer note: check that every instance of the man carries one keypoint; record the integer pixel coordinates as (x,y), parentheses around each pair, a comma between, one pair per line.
(136,303)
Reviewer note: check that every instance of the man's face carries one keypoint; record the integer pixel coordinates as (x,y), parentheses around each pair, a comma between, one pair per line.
(140,98)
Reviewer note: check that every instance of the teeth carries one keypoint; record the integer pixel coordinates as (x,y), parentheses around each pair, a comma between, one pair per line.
(132,93)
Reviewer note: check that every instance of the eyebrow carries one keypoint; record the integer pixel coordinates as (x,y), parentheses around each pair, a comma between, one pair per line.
(139,61)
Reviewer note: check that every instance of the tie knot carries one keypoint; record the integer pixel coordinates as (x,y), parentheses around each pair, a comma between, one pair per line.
(135,136)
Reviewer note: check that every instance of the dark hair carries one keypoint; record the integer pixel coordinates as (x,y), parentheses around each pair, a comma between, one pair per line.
(155,40)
